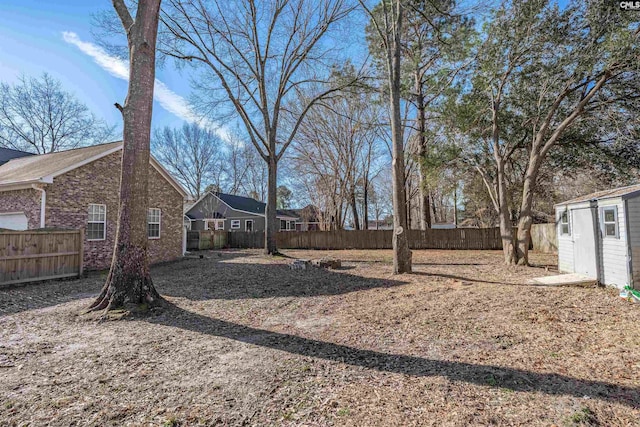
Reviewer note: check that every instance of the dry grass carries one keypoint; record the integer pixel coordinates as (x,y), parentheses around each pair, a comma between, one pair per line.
(247,341)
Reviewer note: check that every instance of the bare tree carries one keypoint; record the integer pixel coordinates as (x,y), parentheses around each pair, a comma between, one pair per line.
(129,279)
(338,146)
(381,198)
(259,55)
(389,30)
(191,153)
(242,171)
(256,182)
(38,115)
(236,165)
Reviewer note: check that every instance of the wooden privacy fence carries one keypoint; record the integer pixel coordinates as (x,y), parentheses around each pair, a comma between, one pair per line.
(458,238)
(246,239)
(544,237)
(206,239)
(27,256)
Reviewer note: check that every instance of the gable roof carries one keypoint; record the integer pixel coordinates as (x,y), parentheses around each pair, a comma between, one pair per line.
(7,154)
(624,192)
(242,204)
(290,213)
(247,204)
(43,168)
(309,213)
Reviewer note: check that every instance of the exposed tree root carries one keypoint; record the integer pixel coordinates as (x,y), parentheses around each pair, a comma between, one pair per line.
(128,284)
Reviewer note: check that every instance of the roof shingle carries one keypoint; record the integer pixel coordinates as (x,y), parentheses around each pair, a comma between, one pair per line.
(247,204)
(604,194)
(33,168)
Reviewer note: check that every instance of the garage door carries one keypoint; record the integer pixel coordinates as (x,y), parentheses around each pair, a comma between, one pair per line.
(14,221)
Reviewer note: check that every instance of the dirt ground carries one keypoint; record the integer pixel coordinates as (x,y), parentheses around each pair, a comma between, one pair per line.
(245,340)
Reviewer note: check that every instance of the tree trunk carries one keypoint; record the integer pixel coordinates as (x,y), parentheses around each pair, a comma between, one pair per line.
(407,197)
(455,207)
(271,223)
(129,280)
(526,209)
(434,212)
(401,251)
(354,209)
(506,228)
(425,207)
(365,205)
(425,214)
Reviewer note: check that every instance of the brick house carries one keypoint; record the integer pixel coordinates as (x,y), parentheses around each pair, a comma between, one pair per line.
(79,188)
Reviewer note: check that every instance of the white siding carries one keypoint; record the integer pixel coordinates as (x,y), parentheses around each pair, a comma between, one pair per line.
(613,253)
(634,231)
(565,246)
(565,255)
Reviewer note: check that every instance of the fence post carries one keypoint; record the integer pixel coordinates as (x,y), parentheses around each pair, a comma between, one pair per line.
(81,254)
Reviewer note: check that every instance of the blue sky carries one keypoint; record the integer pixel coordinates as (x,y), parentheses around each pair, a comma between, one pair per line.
(32,41)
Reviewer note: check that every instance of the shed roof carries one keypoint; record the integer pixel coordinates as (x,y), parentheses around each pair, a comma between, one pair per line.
(624,192)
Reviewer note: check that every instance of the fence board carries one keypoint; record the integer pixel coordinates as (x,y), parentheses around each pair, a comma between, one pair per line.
(458,238)
(39,255)
(544,238)
(206,239)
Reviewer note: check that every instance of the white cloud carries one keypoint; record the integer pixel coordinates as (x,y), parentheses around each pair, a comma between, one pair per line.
(115,66)
(168,99)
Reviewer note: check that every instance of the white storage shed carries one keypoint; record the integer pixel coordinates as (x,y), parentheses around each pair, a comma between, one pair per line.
(599,236)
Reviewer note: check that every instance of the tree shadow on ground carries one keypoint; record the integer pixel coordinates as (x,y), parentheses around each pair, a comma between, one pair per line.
(229,278)
(548,267)
(217,275)
(32,296)
(476,279)
(482,375)
(415,263)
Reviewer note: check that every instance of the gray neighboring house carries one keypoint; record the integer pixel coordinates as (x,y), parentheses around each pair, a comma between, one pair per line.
(599,236)
(220,211)
(7,154)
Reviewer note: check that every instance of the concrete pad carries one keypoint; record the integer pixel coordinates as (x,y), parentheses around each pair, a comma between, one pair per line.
(573,279)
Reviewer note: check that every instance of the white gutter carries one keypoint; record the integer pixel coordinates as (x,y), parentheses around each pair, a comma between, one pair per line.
(43,203)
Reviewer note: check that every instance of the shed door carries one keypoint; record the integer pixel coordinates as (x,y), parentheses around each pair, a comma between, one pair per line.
(14,221)
(584,242)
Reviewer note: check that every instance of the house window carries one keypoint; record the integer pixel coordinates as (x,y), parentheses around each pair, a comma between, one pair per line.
(564,223)
(235,224)
(153,223)
(97,222)
(248,225)
(292,225)
(610,221)
(214,224)
(283,224)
